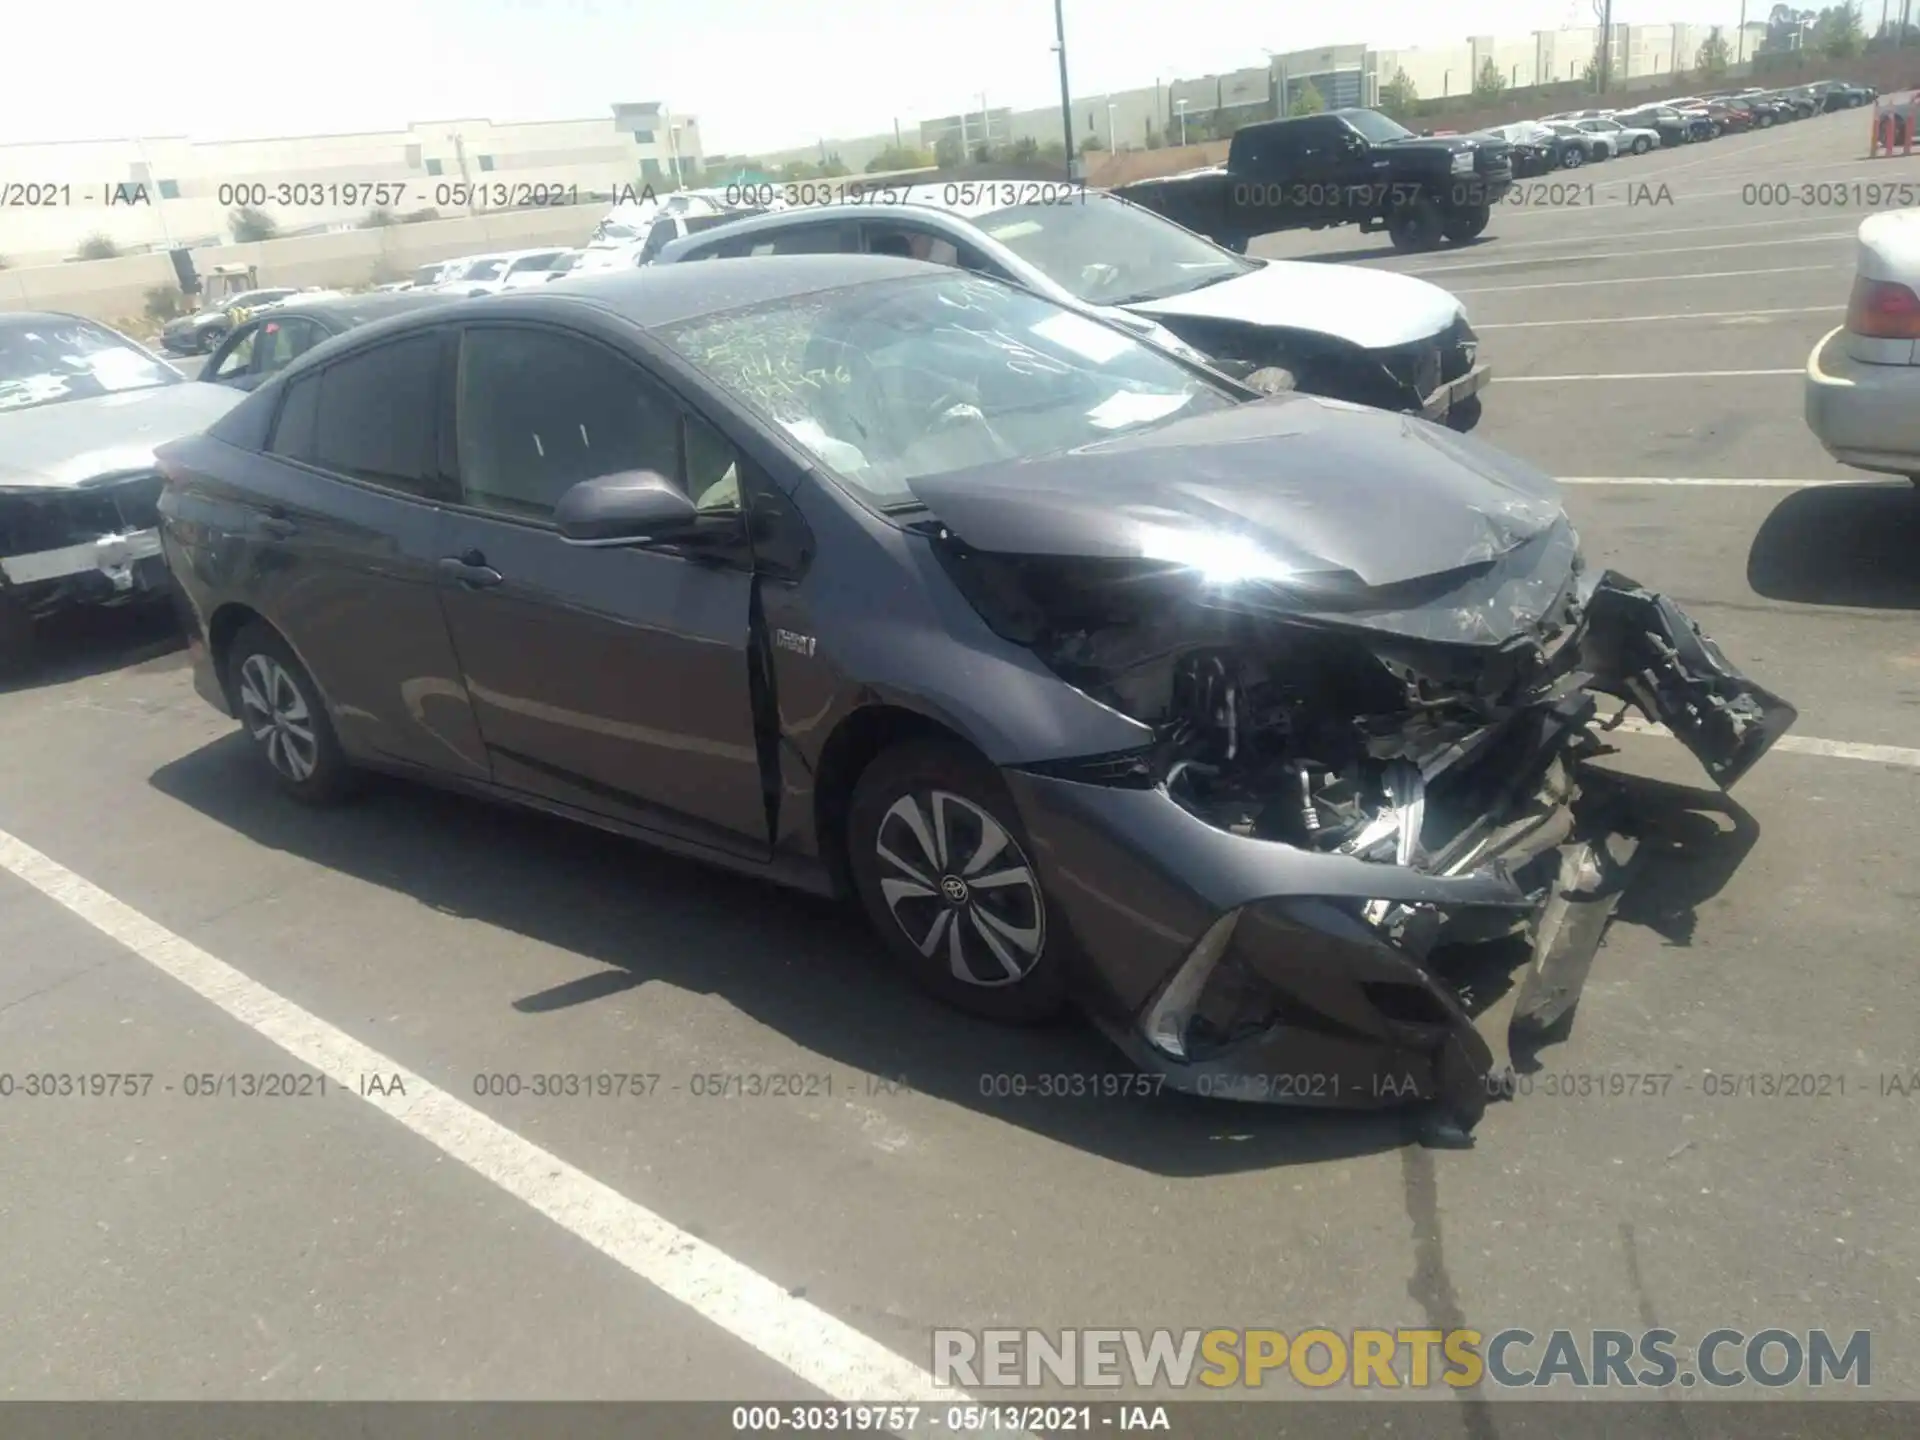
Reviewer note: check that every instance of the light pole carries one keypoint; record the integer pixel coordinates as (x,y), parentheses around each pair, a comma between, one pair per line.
(1066,96)
(1740,55)
(1603,12)
(1180,109)
(1113,145)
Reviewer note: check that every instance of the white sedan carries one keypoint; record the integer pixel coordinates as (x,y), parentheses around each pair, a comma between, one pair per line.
(1863,379)
(1627,139)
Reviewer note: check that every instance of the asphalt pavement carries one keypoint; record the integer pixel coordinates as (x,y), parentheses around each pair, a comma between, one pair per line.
(163,914)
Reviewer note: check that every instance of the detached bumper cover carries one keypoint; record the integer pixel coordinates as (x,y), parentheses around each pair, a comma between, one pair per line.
(1256,970)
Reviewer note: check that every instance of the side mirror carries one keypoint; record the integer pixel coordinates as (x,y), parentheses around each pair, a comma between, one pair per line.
(632,507)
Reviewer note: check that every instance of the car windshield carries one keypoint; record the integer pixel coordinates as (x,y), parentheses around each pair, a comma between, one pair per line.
(1375,126)
(1109,252)
(484,270)
(613,232)
(885,382)
(45,362)
(532,262)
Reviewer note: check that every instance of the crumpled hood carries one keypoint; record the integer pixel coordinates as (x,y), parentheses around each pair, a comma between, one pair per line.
(1373,309)
(1291,485)
(70,442)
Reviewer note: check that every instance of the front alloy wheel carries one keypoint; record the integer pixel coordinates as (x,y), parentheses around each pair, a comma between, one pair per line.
(960,888)
(942,867)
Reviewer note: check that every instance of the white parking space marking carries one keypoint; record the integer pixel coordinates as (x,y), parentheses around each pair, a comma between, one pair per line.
(1706,480)
(1804,745)
(1643,279)
(1636,253)
(1655,319)
(1650,375)
(821,1350)
(1650,234)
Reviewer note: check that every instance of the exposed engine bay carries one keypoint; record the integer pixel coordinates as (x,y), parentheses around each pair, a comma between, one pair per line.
(1336,737)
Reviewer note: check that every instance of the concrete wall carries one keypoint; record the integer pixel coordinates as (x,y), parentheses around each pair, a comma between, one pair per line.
(176,183)
(115,290)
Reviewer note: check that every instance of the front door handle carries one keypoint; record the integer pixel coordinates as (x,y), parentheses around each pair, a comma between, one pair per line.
(275,526)
(471,570)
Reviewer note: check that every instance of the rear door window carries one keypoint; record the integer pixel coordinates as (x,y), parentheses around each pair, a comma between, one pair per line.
(369,416)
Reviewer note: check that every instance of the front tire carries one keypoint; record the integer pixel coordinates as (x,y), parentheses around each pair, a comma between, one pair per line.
(283,713)
(1573,159)
(1416,225)
(1468,224)
(1642,145)
(941,863)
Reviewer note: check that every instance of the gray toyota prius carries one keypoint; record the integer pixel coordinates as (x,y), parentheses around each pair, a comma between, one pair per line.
(1096,677)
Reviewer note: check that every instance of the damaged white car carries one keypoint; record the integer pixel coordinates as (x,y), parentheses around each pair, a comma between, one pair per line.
(81,410)
(1375,338)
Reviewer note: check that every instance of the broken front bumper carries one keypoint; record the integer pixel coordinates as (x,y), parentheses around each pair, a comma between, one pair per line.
(1440,403)
(1255,970)
(94,544)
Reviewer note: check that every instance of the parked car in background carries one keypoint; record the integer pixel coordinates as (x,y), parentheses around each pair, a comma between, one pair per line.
(668,228)
(1533,148)
(267,344)
(1730,116)
(1766,108)
(1627,139)
(1863,378)
(1367,336)
(202,331)
(513,270)
(1581,145)
(899,584)
(1840,95)
(81,410)
(1669,124)
(1343,167)
(427,276)
(565,263)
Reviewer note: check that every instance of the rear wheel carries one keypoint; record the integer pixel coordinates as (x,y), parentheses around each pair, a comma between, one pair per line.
(286,718)
(1764,121)
(941,863)
(1574,158)
(1416,225)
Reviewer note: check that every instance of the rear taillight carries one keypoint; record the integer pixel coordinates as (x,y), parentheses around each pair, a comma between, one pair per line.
(1883,310)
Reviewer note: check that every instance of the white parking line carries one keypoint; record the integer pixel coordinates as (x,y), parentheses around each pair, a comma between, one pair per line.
(1646,319)
(1707,481)
(1650,375)
(1805,745)
(1644,279)
(821,1350)
(1635,254)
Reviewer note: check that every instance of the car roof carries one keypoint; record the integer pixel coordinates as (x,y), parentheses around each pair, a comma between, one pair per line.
(362,309)
(651,295)
(29,319)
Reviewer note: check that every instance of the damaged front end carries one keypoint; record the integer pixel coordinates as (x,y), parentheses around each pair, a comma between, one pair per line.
(1352,789)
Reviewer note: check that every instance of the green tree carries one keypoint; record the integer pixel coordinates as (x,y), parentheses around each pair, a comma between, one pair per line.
(1837,32)
(1399,95)
(163,302)
(1714,56)
(378,218)
(797,170)
(832,167)
(899,157)
(1306,100)
(1488,84)
(249,224)
(947,152)
(416,217)
(1026,149)
(97,247)
(1090,144)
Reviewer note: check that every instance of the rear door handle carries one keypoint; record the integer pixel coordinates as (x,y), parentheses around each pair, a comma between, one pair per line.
(276,527)
(471,570)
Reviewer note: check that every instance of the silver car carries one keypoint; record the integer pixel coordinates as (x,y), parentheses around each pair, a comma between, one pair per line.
(1863,378)
(81,410)
(1366,336)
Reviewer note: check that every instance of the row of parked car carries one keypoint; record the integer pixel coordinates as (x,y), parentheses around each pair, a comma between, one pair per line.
(1574,138)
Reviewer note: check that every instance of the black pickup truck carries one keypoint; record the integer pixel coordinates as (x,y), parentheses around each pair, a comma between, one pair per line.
(1343,167)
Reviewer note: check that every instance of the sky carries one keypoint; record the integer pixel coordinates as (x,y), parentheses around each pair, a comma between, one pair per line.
(759,74)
